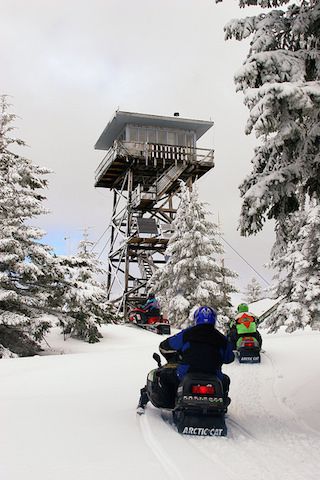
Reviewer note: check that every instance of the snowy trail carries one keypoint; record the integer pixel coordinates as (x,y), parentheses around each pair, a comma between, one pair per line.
(264,431)
(181,457)
(263,434)
(278,432)
(72,417)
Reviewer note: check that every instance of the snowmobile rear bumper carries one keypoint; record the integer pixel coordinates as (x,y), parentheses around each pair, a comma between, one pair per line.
(163,329)
(189,423)
(249,355)
(200,414)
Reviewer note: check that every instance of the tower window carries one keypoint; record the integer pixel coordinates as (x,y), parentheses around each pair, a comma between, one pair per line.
(133,134)
(162,137)
(142,135)
(152,135)
(172,138)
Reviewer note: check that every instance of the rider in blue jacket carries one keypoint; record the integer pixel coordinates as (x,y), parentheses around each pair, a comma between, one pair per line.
(152,306)
(200,348)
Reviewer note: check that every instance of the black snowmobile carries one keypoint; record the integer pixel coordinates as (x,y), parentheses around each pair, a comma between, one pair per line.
(198,405)
(248,350)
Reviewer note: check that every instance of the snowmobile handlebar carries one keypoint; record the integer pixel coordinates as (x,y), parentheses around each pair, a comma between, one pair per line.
(157,358)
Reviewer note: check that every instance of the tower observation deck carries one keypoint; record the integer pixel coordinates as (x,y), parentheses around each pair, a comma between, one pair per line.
(146,156)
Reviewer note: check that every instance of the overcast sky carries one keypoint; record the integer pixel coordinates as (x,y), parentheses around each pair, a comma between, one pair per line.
(69,64)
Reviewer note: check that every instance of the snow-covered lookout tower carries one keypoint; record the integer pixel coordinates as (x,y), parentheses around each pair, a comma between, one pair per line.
(146,156)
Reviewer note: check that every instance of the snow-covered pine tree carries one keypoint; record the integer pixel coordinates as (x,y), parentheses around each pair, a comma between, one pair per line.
(79,295)
(193,275)
(253,291)
(298,282)
(23,259)
(281,83)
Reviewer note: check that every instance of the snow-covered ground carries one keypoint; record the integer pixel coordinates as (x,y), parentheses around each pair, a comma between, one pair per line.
(72,416)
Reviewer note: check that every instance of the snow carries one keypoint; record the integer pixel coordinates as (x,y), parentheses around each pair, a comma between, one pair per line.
(261,306)
(72,416)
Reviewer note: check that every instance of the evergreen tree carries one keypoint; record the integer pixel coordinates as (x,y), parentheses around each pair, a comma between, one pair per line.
(193,275)
(6,353)
(23,259)
(297,284)
(253,291)
(280,80)
(79,296)
(281,83)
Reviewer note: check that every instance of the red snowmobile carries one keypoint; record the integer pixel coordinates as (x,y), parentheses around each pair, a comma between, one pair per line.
(154,323)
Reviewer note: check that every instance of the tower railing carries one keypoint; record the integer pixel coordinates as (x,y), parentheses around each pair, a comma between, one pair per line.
(155,152)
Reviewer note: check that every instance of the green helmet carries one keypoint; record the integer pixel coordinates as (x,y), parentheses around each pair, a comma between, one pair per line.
(243,307)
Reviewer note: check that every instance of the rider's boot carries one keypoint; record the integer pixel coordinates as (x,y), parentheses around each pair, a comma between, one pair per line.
(143,400)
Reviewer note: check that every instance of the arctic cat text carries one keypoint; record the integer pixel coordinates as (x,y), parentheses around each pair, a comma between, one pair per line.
(211,432)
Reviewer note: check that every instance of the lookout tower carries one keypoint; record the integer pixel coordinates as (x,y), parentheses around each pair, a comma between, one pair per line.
(145,157)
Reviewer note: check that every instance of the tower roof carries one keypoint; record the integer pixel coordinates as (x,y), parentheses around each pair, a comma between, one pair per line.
(120,119)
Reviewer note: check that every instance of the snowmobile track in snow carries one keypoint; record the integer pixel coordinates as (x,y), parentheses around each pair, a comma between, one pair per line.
(258,421)
(156,446)
(235,425)
(179,462)
(274,428)
(211,450)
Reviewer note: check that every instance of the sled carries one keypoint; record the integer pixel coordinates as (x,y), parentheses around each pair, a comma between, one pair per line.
(157,324)
(159,328)
(198,408)
(248,350)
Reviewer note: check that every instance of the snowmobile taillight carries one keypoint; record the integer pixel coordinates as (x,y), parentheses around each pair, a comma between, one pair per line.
(202,389)
(249,344)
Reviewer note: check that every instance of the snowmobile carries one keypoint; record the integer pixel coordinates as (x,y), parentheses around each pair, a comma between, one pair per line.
(248,350)
(157,323)
(198,406)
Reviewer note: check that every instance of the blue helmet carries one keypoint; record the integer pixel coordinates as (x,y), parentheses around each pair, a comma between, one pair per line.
(205,315)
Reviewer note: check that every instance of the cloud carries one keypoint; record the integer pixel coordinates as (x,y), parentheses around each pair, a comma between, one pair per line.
(70,64)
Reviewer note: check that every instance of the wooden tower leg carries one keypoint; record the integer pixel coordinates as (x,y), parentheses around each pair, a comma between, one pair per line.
(127,259)
(111,241)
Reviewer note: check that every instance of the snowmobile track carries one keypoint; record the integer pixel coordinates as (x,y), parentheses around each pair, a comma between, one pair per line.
(211,450)
(285,408)
(273,426)
(235,425)
(156,446)
(183,462)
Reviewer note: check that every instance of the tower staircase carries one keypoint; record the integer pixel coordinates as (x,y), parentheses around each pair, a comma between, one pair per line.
(147,266)
(167,179)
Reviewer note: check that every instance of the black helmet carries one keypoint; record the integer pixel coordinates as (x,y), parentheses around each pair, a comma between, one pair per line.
(151,295)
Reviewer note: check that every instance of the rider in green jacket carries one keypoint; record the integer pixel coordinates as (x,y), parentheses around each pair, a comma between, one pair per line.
(244,324)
